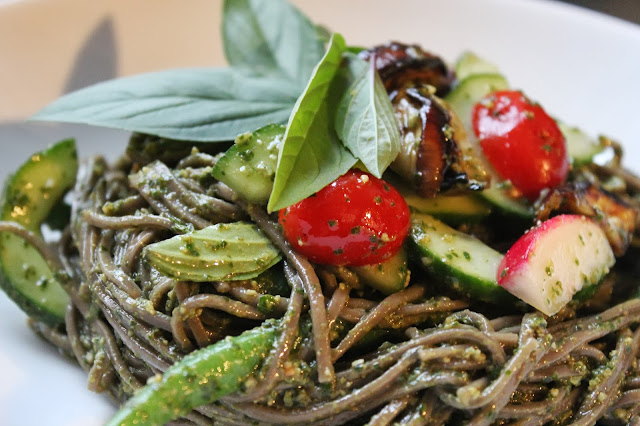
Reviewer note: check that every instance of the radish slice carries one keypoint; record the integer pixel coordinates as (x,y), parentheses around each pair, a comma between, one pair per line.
(549,264)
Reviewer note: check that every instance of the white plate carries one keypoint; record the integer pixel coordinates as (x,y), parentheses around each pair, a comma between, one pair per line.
(583,67)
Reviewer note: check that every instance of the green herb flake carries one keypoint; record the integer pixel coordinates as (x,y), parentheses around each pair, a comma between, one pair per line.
(549,269)
(267,303)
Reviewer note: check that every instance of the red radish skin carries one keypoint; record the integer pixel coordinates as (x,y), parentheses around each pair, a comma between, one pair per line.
(549,264)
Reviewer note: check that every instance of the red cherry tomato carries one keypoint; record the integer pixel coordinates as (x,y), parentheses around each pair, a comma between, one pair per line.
(521,141)
(356,220)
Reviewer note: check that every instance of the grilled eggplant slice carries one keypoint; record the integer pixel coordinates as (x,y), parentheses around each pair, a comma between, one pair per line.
(614,215)
(401,65)
(436,154)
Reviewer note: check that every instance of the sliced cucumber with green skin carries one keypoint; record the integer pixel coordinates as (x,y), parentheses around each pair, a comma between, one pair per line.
(470,64)
(469,91)
(462,99)
(505,205)
(29,196)
(387,277)
(465,264)
(451,209)
(248,167)
(581,147)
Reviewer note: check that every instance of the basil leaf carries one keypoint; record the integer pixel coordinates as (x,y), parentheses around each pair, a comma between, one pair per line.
(200,104)
(323,33)
(311,155)
(365,120)
(270,36)
(226,251)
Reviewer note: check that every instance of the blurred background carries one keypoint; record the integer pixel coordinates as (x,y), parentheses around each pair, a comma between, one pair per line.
(41,57)
(624,9)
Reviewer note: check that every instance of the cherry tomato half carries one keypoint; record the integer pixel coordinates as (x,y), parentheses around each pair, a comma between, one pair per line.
(521,141)
(356,220)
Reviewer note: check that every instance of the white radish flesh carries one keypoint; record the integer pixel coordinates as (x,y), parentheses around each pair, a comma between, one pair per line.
(548,265)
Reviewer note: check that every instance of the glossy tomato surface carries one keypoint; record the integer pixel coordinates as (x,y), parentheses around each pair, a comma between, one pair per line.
(522,142)
(356,220)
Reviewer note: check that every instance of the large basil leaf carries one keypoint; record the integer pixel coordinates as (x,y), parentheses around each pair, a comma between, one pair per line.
(312,156)
(365,120)
(226,251)
(270,37)
(202,104)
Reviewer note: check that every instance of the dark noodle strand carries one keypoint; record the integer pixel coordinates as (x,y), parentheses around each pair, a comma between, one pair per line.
(605,385)
(124,222)
(338,300)
(198,330)
(284,343)
(386,415)
(312,288)
(52,335)
(115,357)
(308,415)
(134,248)
(124,207)
(197,160)
(386,307)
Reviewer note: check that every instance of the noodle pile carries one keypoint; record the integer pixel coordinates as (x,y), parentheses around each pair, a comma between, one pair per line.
(449,360)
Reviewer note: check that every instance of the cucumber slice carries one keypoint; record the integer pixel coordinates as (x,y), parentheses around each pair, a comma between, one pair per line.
(388,277)
(462,99)
(505,205)
(451,209)
(29,196)
(469,91)
(469,64)
(581,148)
(248,167)
(465,264)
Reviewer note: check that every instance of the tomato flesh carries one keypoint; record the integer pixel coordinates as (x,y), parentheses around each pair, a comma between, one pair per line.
(522,142)
(356,220)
